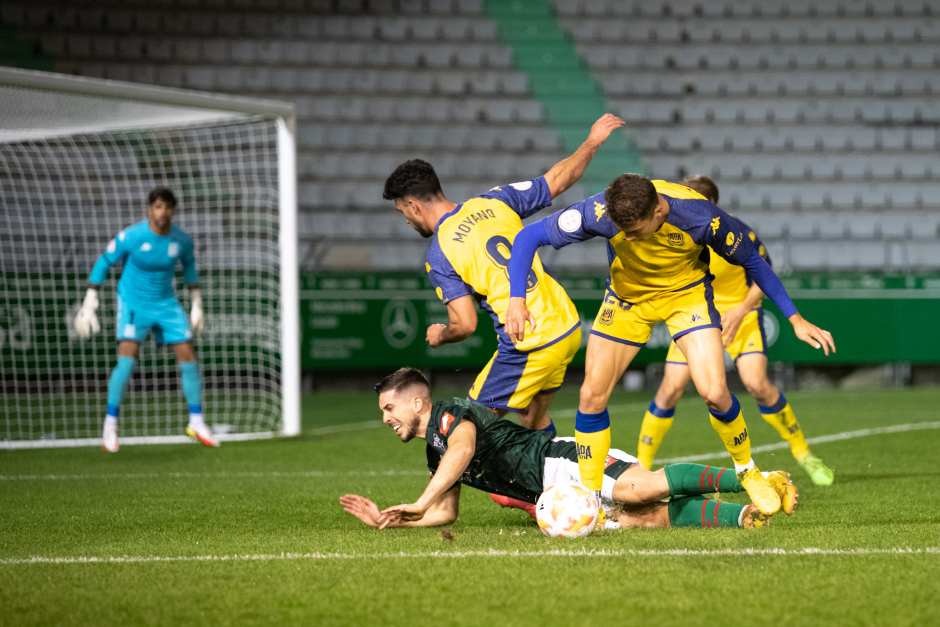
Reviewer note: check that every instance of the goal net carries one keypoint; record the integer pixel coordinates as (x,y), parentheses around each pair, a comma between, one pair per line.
(77,159)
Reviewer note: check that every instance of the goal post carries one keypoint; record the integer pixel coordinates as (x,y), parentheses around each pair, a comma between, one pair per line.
(77,159)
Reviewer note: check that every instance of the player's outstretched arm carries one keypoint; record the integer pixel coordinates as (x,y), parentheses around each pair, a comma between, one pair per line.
(566,172)
(460,447)
(527,242)
(442,512)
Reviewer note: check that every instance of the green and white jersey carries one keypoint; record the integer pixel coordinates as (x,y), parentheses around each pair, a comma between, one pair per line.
(509,459)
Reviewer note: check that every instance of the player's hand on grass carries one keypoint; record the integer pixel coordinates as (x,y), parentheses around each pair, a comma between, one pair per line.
(400,513)
(603,127)
(86,320)
(435,335)
(196,317)
(516,317)
(730,323)
(362,508)
(812,335)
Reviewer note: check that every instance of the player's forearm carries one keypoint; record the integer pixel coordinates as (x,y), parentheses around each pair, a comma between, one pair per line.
(760,272)
(754,297)
(430,519)
(99,272)
(452,465)
(526,243)
(569,170)
(453,333)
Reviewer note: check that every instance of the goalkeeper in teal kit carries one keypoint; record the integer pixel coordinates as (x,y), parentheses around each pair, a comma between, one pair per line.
(146,302)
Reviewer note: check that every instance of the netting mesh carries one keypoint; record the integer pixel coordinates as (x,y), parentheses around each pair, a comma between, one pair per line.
(61,200)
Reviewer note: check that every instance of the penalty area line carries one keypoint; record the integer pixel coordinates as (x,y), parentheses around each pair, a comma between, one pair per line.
(489,553)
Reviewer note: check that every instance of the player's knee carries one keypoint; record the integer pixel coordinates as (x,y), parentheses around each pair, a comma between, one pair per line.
(715,395)
(592,400)
(669,394)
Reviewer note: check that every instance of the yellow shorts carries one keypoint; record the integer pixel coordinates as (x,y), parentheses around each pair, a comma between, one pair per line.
(749,339)
(511,379)
(683,311)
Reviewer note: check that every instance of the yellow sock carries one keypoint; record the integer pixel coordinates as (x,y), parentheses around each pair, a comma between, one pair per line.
(592,454)
(655,426)
(780,416)
(733,434)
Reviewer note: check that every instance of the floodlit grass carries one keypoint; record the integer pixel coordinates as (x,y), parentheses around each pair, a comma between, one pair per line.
(272,498)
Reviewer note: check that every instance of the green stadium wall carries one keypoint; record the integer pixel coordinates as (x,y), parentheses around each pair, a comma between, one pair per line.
(366,321)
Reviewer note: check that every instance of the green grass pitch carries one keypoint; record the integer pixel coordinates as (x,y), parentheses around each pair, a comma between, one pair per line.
(265,541)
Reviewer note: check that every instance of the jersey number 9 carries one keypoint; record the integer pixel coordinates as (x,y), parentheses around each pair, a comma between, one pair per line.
(499,249)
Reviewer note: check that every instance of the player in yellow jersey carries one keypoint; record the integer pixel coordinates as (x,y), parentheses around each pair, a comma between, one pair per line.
(658,236)
(743,337)
(468,265)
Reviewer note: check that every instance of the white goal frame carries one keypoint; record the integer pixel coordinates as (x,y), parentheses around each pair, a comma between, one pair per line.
(197,106)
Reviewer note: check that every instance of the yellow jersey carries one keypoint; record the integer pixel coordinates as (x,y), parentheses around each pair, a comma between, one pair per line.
(673,258)
(730,283)
(469,255)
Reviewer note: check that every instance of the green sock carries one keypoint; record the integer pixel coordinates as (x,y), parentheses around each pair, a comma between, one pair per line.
(695,479)
(695,511)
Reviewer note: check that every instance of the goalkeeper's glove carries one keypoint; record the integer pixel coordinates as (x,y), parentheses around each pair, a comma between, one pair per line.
(196,317)
(86,320)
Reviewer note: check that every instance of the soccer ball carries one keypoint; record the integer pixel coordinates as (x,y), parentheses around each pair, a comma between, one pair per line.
(567,510)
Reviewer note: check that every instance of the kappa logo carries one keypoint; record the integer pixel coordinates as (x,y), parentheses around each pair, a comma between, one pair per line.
(741,438)
(675,239)
(716,223)
(599,209)
(696,317)
(447,421)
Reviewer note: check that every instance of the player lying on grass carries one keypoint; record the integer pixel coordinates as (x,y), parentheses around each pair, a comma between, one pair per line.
(738,301)
(147,302)
(469,444)
(658,237)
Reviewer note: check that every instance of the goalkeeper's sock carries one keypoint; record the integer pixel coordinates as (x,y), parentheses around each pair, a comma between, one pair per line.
(191,382)
(732,430)
(696,479)
(780,416)
(117,383)
(592,435)
(656,423)
(696,511)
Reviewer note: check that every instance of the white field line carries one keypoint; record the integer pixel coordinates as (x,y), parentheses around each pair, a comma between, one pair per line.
(820,439)
(488,553)
(832,437)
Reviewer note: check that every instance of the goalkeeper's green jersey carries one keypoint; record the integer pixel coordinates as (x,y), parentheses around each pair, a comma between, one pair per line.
(509,459)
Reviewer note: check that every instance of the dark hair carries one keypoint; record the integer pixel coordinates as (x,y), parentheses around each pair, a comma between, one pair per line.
(630,199)
(704,186)
(414,177)
(401,379)
(161,193)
